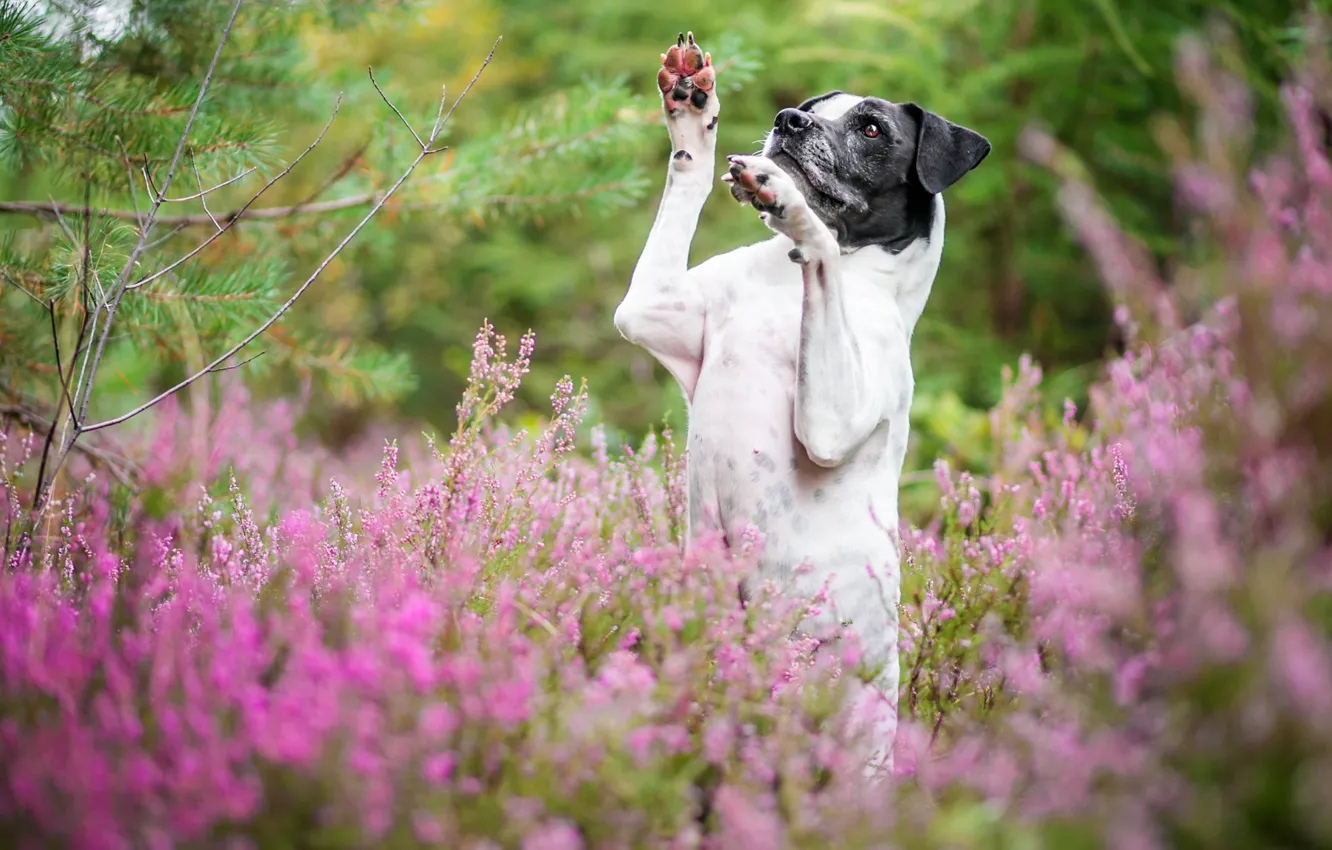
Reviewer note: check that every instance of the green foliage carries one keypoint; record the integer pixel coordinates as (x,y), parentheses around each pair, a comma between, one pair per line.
(535,216)
(1013,279)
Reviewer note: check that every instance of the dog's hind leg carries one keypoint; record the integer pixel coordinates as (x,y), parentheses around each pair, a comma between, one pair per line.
(663,310)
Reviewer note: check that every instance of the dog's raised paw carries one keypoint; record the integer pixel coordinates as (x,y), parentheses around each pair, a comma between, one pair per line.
(688,80)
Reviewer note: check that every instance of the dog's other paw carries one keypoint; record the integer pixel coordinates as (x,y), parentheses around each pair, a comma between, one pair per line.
(688,84)
(759,182)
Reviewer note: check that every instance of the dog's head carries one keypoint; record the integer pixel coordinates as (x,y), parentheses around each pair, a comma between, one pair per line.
(870,168)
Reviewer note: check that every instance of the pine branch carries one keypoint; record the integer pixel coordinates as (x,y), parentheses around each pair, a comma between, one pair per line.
(426,150)
(240,291)
(93,357)
(554,138)
(357,376)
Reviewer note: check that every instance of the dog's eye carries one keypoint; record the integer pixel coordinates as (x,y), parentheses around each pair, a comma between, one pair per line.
(871,131)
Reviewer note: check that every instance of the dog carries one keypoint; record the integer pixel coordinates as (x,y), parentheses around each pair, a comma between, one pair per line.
(793,353)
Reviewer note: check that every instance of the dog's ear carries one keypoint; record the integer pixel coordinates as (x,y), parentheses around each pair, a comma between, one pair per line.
(944,150)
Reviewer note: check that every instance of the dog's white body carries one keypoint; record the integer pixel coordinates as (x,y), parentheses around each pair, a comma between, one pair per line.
(799,383)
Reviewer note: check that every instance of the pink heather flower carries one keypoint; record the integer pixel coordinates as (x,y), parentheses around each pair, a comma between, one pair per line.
(438,769)
(966,513)
(717,739)
(427,828)
(438,721)
(640,743)
(554,835)
(1302,665)
(744,821)
(670,617)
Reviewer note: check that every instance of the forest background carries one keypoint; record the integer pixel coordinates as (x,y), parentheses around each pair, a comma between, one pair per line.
(534,216)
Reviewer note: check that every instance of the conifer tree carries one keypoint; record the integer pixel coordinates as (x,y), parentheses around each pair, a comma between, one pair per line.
(138,145)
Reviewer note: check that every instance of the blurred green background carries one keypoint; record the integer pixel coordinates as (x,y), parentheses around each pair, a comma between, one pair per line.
(535,216)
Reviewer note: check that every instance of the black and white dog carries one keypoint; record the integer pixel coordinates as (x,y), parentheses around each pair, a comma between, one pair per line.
(794,352)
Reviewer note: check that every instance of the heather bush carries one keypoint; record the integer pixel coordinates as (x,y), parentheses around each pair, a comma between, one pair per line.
(1119,637)
(503,642)
(1149,587)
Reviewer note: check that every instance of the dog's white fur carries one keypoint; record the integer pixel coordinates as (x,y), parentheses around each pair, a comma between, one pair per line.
(799,383)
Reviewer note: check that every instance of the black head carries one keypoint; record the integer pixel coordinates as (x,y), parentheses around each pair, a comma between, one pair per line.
(870,168)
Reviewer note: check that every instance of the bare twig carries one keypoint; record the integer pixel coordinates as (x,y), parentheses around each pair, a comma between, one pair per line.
(21,288)
(60,366)
(86,272)
(249,359)
(44,209)
(404,121)
(202,194)
(439,114)
(236,217)
(124,469)
(202,191)
(439,125)
(129,173)
(65,227)
(342,171)
(425,151)
(155,195)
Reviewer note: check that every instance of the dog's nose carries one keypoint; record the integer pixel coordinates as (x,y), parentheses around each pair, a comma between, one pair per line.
(792,120)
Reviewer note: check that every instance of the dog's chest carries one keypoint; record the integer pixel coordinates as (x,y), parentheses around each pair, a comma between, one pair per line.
(753,325)
(757,333)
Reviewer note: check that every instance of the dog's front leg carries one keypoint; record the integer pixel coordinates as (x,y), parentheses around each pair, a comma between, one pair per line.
(664,308)
(845,362)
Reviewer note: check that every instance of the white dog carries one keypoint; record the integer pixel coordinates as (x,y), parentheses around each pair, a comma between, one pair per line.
(794,353)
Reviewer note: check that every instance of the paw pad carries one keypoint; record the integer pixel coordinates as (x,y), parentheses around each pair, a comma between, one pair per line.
(686,74)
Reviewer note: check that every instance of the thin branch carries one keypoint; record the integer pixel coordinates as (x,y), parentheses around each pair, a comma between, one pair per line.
(182,221)
(439,125)
(197,195)
(130,264)
(41,209)
(247,360)
(281,311)
(439,114)
(148,184)
(129,174)
(21,287)
(236,217)
(85,290)
(404,121)
(60,366)
(424,152)
(202,199)
(121,467)
(65,227)
(162,240)
(342,171)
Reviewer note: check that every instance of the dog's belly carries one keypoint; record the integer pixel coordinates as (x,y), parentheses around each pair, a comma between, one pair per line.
(820,528)
(748,470)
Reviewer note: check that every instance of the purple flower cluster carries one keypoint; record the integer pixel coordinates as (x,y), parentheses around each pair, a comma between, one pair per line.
(1118,638)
